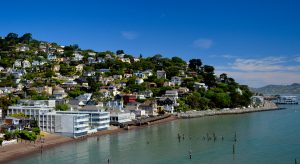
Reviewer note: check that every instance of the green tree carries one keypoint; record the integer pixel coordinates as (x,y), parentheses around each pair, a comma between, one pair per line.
(172,71)
(195,64)
(36,130)
(222,100)
(8,135)
(197,102)
(62,107)
(26,38)
(119,52)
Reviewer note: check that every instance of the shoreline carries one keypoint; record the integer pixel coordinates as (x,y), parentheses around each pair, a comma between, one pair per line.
(197,114)
(20,150)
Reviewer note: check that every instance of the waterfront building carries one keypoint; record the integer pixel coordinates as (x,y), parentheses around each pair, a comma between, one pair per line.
(67,124)
(32,108)
(287,100)
(118,117)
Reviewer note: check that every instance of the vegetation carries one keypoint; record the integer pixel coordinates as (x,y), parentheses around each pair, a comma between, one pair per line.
(18,115)
(222,91)
(62,107)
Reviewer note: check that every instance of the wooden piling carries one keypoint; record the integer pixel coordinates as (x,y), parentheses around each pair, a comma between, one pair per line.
(235,139)
(233,149)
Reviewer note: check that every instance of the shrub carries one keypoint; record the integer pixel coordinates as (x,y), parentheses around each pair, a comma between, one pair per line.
(36,130)
(1,141)
(8,135)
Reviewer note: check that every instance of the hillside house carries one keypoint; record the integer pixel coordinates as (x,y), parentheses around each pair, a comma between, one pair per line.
(161,74)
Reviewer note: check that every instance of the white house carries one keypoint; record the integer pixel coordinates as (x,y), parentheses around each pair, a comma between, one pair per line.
(91,60)
(100,60)
(79,67)
(125,60)
(117,77)
(172,94)
(119,117)
(139,74)
(35,63)
(105,92)
(77,56)
(239,91)
(59,93)
(22,48)
(161,74)
(51,57)
(176,80)
(18,63)
(148,73)
(92,53)
(139,81)
(26,64)
(200,85)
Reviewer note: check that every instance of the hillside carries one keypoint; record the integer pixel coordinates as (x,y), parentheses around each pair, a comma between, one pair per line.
(278,89)
(40,70)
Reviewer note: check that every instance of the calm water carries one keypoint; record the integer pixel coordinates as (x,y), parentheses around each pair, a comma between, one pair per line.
(264,137)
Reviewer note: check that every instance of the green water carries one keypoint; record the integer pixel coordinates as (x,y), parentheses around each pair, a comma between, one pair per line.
(264,137)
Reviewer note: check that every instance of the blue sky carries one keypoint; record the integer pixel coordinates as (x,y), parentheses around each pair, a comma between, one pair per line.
(256,42)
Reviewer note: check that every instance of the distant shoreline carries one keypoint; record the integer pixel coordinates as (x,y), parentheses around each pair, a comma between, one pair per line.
(20,150)
(196,114)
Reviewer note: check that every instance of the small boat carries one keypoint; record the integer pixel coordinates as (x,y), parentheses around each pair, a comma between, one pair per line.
(287,100)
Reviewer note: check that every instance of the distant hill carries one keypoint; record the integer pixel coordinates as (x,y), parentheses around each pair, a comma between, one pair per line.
(278,89)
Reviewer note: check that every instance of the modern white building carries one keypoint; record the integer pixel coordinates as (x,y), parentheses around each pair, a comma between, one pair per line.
(118,117)
(32,108)
(68,123)
(97,120)
(72,125)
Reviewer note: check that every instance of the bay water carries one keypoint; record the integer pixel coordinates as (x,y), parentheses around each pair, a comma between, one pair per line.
(262,137)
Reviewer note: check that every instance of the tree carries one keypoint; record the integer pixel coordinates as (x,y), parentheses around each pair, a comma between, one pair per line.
(119,52)
(172,71)
(208,69)
(75,92)
(26,38)
(222,100)
(8,135)
(36,130)
(223,78)
(12,37)
(197,102)
(62,107)
(195,64)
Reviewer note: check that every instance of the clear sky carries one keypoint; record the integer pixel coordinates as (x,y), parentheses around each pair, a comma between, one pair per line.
(257,41)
